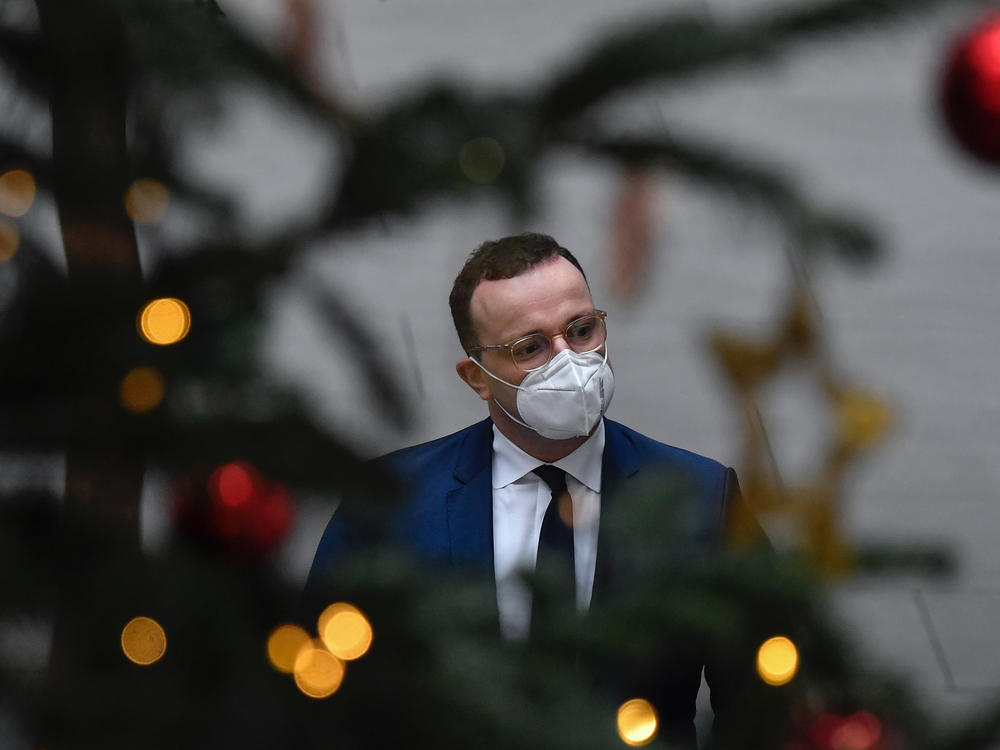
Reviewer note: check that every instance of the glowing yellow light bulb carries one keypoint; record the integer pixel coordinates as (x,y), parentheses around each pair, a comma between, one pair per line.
(345,631)
(317,672)
(146,201)
(777,660)
(284,645)
(637,722)
(17,192)
(143,640)
(141,390)
(481,159)
(164,321)
(10,238)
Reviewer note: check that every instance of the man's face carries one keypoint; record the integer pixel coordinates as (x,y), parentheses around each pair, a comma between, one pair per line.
(543,299)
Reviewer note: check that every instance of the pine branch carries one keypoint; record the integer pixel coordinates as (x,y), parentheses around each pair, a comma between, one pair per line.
(856,16)
(192,48)
(383,390)
(409,153)
(744,179)
(678,47)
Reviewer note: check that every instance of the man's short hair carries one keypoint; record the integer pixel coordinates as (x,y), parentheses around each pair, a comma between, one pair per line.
(504,258)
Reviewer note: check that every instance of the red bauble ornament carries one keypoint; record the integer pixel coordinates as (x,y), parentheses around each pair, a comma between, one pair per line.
(234,509)
(970,98)
(860,731)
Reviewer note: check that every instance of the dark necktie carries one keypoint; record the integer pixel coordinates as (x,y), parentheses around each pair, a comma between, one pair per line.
(555,543)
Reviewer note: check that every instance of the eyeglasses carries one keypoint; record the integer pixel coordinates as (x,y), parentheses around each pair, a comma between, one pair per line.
(584,334)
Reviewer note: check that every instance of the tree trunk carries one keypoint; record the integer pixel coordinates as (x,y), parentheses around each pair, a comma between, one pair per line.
(88,71)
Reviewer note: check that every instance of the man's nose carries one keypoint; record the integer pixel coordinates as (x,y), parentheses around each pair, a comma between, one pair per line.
(559,343)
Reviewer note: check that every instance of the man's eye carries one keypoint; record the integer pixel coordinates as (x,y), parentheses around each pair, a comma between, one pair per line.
(530,349)
(581,331)
(526,349)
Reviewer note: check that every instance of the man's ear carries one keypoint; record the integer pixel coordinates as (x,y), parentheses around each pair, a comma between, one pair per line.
(474,377)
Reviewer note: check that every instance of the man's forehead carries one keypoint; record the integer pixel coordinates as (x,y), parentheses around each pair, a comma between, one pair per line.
(546,296)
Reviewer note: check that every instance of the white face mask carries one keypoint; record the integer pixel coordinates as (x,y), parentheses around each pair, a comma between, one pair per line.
(566,397)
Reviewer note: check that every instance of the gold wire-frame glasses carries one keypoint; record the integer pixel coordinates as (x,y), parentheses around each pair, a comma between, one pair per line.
(584,334)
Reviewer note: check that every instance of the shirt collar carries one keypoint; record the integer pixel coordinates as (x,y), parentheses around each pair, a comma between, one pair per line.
(510,463)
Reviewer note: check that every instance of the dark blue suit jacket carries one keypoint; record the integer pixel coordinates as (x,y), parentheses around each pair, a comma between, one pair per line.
(447,518)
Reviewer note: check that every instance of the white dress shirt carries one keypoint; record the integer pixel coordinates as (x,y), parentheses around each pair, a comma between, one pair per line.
(520,499)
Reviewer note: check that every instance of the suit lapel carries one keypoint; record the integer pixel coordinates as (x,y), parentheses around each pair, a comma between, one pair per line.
(470,503)
(619,465)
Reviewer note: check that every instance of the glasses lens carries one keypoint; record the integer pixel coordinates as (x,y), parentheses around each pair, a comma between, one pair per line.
(531,351)
(586,334)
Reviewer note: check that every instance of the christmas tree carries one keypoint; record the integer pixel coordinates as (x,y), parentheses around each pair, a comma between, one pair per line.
(130,368)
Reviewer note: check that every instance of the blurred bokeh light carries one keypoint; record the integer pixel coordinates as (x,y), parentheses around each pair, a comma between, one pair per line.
(481,159)
(164,321)
(17,192)
(233,484)
(318,673)
(146,201)
(284,645)
(10,238)
(777,660)
(637,722)
(141,390)
(345,631)
(143,640)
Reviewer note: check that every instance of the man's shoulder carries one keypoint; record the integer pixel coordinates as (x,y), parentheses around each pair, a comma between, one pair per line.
(705,486)
(648,451)
(440,452)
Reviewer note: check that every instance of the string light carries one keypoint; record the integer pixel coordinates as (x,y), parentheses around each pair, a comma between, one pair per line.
(146,201)
(777,660)
(164,321)
(143,641)
(317,672)
(233,484)
(141,390)
(861,731)
(637,722)
(284,645)
(481,159)
(10,238)
(17,192)
(345,631)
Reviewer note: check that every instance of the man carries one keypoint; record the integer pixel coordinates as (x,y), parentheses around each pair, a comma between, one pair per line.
(537,354)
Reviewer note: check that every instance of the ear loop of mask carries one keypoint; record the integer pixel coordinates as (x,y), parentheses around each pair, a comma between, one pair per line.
(501,380)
